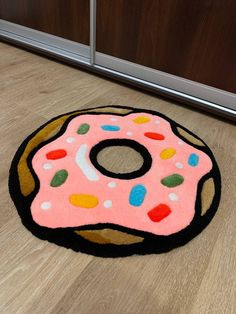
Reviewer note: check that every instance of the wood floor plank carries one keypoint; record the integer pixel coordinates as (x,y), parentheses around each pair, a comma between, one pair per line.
(34,274)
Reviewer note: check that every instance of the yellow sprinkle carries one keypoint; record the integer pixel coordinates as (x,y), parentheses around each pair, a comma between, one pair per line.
(83,200)
(167,153)
(140,120)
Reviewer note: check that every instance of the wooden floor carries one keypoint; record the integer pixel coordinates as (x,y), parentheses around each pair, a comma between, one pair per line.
(39,277)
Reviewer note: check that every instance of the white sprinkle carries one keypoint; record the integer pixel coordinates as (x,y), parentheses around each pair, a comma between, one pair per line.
(81,161)
(112,184)
(129,133)
(47,166)
(179,165)
(157,121)
(173,197)
(70,139)
(113,119)
(46,205)
(107,204)
(180,142)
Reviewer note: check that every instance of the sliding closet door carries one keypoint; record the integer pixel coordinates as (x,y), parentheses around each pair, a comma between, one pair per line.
(68,19)
(190,39)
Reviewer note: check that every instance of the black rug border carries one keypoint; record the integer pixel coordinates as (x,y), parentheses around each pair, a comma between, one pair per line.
(67,237)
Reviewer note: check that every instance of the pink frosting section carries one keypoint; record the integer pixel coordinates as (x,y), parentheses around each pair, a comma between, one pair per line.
(51,206)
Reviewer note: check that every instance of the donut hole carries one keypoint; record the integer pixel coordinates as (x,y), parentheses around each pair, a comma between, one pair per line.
(120,159)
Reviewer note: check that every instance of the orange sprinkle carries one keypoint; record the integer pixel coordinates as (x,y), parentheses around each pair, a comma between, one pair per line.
(56,154)
(159,212)
(154,136)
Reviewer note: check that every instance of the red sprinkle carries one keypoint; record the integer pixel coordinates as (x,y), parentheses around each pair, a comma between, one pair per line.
(154,136)
(56,154)
(159,212)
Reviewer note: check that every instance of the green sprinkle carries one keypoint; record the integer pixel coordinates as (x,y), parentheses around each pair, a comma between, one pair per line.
(172,180)
(83,128)
(59,178)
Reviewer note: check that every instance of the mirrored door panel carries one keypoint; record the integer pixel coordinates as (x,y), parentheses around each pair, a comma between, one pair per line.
(194,40)
(56,24)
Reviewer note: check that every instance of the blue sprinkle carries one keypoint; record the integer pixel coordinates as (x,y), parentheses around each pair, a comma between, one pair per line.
(137,195)
(108,127)
(193,160)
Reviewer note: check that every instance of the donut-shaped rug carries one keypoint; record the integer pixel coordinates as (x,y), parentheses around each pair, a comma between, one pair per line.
(66,195)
